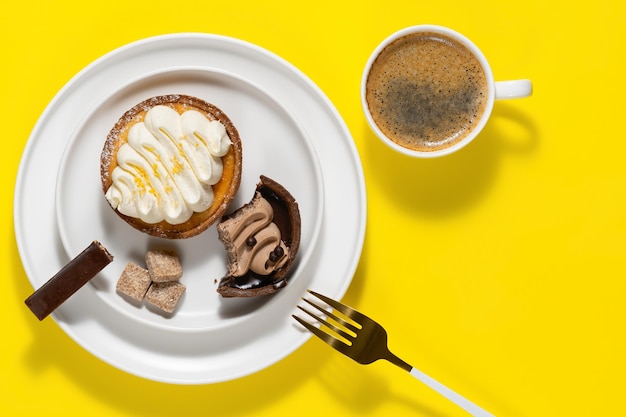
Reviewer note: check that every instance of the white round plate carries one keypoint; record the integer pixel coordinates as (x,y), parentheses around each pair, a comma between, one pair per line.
(263,331)
(274,144)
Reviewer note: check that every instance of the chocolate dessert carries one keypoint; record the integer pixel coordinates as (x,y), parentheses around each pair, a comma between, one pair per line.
(262,239)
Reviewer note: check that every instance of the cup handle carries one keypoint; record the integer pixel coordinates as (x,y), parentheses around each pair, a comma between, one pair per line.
(513,89)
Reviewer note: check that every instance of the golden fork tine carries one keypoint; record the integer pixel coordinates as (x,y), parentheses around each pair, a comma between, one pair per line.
(330,340)
(311,328)
(326,323)
(348,311)
(338,319)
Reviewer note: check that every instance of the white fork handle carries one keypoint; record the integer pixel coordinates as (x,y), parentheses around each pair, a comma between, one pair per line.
(462,402)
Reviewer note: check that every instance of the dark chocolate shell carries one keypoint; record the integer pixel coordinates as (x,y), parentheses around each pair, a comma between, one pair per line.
(287,218)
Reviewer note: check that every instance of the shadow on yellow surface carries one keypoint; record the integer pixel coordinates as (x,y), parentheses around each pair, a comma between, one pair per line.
(444,186)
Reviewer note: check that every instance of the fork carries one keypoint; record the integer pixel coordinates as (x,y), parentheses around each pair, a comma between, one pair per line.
(365,341)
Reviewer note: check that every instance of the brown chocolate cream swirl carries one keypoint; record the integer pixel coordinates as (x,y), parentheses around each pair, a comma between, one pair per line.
(257,241)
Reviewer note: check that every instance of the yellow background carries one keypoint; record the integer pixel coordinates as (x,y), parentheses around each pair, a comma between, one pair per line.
(498,270)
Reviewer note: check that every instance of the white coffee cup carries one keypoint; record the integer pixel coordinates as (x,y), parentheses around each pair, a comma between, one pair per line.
(492,91)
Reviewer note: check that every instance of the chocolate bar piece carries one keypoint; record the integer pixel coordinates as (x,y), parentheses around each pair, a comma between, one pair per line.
(69,280)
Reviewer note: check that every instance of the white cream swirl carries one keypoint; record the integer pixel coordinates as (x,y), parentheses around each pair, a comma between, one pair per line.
(167,168)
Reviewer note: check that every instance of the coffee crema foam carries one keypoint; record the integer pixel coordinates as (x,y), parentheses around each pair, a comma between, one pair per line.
(426,91)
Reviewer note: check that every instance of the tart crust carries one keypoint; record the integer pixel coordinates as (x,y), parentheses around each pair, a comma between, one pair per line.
(224,190)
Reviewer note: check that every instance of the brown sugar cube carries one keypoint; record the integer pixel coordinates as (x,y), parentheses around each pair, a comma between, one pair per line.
(163,265)
(134,281)
(165,295)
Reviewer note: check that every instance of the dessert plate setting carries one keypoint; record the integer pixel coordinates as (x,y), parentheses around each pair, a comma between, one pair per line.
(272,133)
(290,132)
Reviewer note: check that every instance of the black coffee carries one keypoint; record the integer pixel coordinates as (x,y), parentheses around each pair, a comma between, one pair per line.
(426,91)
